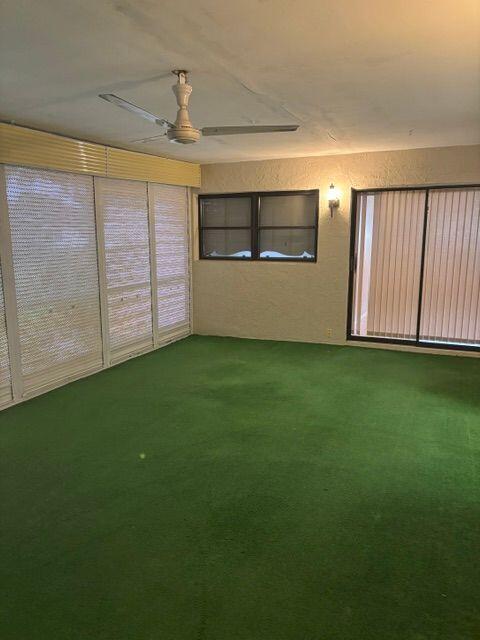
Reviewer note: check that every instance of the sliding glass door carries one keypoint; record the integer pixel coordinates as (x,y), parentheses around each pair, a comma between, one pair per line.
(450,310)
(415,266)
(388,256)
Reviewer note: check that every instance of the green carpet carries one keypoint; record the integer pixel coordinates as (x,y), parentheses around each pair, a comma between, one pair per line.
(287,491)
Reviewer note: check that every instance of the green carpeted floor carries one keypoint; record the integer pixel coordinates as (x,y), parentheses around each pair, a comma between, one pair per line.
(224,489)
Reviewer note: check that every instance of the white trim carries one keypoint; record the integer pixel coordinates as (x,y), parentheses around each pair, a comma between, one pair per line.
(193,239)
(388,346)
(190,214)
(153,266)
(9,293)
(102,272)
(33,393)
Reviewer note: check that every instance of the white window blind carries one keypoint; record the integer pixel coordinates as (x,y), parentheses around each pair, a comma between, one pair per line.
(52,223)
(5,376)
(451,284)
(169,217)
(388,249)
(123,214)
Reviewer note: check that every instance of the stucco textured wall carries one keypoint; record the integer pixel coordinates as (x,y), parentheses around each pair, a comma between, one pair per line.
(306,302)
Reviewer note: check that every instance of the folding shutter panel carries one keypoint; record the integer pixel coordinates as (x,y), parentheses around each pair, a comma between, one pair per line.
(123,213)
(168,207)
(52,224)
(388,248)
(5,377)
(451,284)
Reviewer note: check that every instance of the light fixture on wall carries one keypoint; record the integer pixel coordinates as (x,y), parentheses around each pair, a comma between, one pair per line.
(333,198)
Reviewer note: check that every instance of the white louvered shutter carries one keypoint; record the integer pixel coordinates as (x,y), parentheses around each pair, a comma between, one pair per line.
(52,224)
(123,211)
(5,376)
(168,206)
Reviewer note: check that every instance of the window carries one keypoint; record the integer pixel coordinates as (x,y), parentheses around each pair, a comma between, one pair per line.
(226,226)
(273,226)
(389,241)
(415,267)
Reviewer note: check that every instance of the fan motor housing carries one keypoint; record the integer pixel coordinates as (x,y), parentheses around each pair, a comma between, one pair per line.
(183,135)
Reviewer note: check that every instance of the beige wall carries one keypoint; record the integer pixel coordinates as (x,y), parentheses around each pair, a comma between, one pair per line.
(306,302)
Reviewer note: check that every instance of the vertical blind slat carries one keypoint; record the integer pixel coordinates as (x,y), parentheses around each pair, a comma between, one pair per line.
(360,241)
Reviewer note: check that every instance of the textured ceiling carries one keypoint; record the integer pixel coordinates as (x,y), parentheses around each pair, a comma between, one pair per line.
(357,75)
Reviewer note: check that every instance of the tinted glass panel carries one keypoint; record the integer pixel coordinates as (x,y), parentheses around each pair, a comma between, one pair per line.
(287,243)
(231,243)
(294,211)
(226,212)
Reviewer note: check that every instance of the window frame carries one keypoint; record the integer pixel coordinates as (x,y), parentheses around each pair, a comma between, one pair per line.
(255,228)
(417,342)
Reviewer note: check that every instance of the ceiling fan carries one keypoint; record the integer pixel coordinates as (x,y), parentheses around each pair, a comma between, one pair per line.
(182,131)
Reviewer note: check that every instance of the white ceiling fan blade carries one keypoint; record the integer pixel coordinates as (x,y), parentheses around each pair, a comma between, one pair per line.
(150,139)
(227,131)
(124,104)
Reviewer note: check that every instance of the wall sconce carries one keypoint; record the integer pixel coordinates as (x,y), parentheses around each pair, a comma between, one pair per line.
(333,198)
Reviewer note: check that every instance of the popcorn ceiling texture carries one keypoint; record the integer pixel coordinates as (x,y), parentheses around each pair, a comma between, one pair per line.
(305,302)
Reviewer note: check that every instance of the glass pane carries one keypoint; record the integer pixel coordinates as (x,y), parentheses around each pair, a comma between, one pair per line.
(296,210)
(451,280)
(226,212)
(287,243)
(230,243)
(388,250)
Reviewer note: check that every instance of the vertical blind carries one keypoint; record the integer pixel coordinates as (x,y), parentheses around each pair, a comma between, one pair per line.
(84,277)
(389,248)
(451,291)
(52,225)
(123,210)
(169,211)
(399,244)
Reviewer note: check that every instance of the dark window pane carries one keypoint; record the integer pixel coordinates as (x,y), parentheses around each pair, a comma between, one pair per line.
(287,243)
(232,243)
(226,212)
(282,211)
